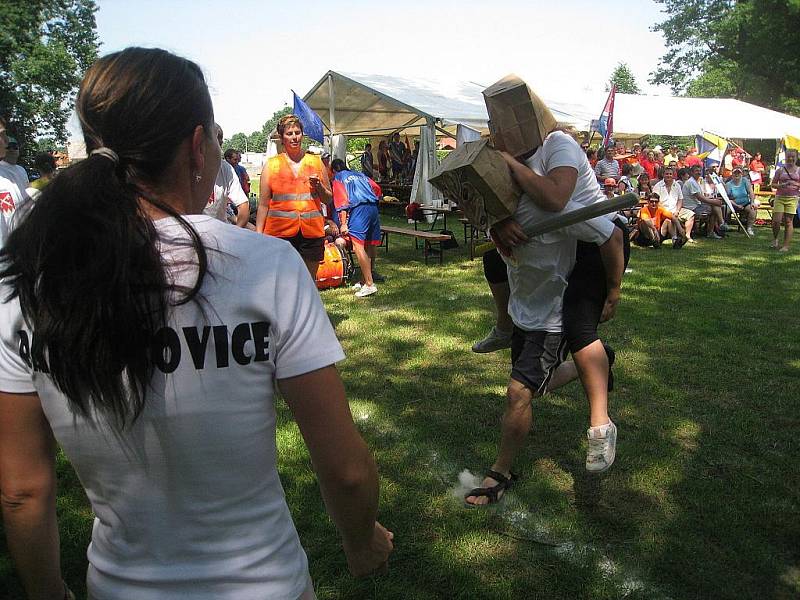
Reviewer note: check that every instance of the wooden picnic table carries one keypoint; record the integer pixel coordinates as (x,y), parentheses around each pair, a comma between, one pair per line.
(429,239)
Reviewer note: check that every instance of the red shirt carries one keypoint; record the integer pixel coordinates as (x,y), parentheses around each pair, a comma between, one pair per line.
(649,167)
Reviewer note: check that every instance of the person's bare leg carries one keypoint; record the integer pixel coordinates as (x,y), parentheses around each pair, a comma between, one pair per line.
(312,266)
(751,217)
(777,219)
(501,293)
(591,363)
(371,252)
(564,373)
(516,425)
(788,230)
(364,263)
(688,227)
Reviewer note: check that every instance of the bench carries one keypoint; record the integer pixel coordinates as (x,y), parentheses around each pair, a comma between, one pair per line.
(432,240)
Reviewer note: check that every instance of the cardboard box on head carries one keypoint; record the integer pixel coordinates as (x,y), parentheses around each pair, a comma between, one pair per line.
(478,179)
(518,119)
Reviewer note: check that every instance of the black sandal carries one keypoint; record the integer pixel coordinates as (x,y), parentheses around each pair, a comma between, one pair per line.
(503,483)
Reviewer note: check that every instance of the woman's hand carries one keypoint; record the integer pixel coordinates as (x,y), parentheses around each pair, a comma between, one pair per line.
(507,234)
(610,306)
(374,558)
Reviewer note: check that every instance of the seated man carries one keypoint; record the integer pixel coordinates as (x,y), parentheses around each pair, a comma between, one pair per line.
(698,196)
(670,193)
(355,197)
(655,224)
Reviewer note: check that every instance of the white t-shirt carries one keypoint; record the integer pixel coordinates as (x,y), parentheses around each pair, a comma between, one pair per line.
(691,187)
(188,502)
(669,198)
(226,187)
(539,269)
(13,181)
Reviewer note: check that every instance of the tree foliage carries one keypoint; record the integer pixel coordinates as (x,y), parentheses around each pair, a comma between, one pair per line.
(623,78)
(256,141)
(45,47)
(746,49)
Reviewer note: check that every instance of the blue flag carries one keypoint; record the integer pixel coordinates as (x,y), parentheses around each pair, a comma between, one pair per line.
(312,124)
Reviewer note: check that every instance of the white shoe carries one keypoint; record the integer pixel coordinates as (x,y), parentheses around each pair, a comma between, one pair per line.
(357,286)
(602,447)
(366,290)
(496,340)
(750,231)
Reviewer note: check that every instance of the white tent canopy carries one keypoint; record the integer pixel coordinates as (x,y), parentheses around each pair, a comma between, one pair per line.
(378,103)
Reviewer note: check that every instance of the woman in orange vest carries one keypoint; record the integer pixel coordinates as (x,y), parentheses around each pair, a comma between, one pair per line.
(293,186)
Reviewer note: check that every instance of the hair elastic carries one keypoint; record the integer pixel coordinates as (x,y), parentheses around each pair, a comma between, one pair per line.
(107,152)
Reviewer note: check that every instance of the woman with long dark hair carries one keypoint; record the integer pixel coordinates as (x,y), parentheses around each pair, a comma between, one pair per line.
(145,338)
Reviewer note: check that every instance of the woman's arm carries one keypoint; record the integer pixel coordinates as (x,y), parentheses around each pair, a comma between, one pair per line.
(550,192)
(613,257)
(348,477)
(264,196)
(28,494)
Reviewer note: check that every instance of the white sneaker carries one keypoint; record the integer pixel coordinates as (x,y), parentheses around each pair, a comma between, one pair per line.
(366,290)
(357,286)
(602,447)
(496,340)
(750,231)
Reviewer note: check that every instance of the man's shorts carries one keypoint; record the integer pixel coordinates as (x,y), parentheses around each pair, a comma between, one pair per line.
(785,204)
(685,215)
(535,356)
(364,225)
(703,210)
(308,248)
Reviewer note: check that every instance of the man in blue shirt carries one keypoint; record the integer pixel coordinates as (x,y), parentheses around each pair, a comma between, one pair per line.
(355,198)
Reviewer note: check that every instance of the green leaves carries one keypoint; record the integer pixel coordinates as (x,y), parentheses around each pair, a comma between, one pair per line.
(623,78)
(45,48)
(744,49)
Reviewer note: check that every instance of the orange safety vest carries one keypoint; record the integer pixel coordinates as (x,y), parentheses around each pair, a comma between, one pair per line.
(292,208)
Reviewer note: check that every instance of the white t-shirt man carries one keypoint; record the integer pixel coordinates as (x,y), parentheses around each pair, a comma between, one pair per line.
(187,500)
(226,187)
(669,197)
(692,187)
(13,182)
(539,270)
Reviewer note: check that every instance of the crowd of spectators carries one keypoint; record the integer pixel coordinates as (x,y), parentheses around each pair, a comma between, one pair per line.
(677,194)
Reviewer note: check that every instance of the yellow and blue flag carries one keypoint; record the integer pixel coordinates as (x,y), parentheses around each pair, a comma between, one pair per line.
(711,148)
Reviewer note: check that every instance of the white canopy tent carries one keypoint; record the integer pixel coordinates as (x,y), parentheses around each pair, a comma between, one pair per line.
(353,104)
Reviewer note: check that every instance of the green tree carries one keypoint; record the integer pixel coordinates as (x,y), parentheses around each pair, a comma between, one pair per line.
(257,142)
(273,120)
(237,141)
(746,49)
(45,47)
(623,78)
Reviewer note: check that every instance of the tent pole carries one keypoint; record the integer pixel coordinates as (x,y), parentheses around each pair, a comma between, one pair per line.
(331,108)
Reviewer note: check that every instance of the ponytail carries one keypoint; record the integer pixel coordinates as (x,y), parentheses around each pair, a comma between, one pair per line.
(85,260)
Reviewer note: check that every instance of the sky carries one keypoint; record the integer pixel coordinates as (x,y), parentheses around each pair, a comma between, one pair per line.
(254,53)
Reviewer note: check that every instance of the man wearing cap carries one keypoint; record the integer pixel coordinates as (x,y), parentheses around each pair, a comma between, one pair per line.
(12,184)
(610,187)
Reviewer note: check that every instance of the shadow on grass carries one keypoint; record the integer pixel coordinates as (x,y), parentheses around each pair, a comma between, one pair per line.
(702,501)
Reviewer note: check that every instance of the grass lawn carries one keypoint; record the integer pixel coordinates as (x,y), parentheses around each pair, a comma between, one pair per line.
(702,502)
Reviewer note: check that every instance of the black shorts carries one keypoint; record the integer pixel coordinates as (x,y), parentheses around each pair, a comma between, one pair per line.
(535,356)
(308,248)
(494,267)
(586,292)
